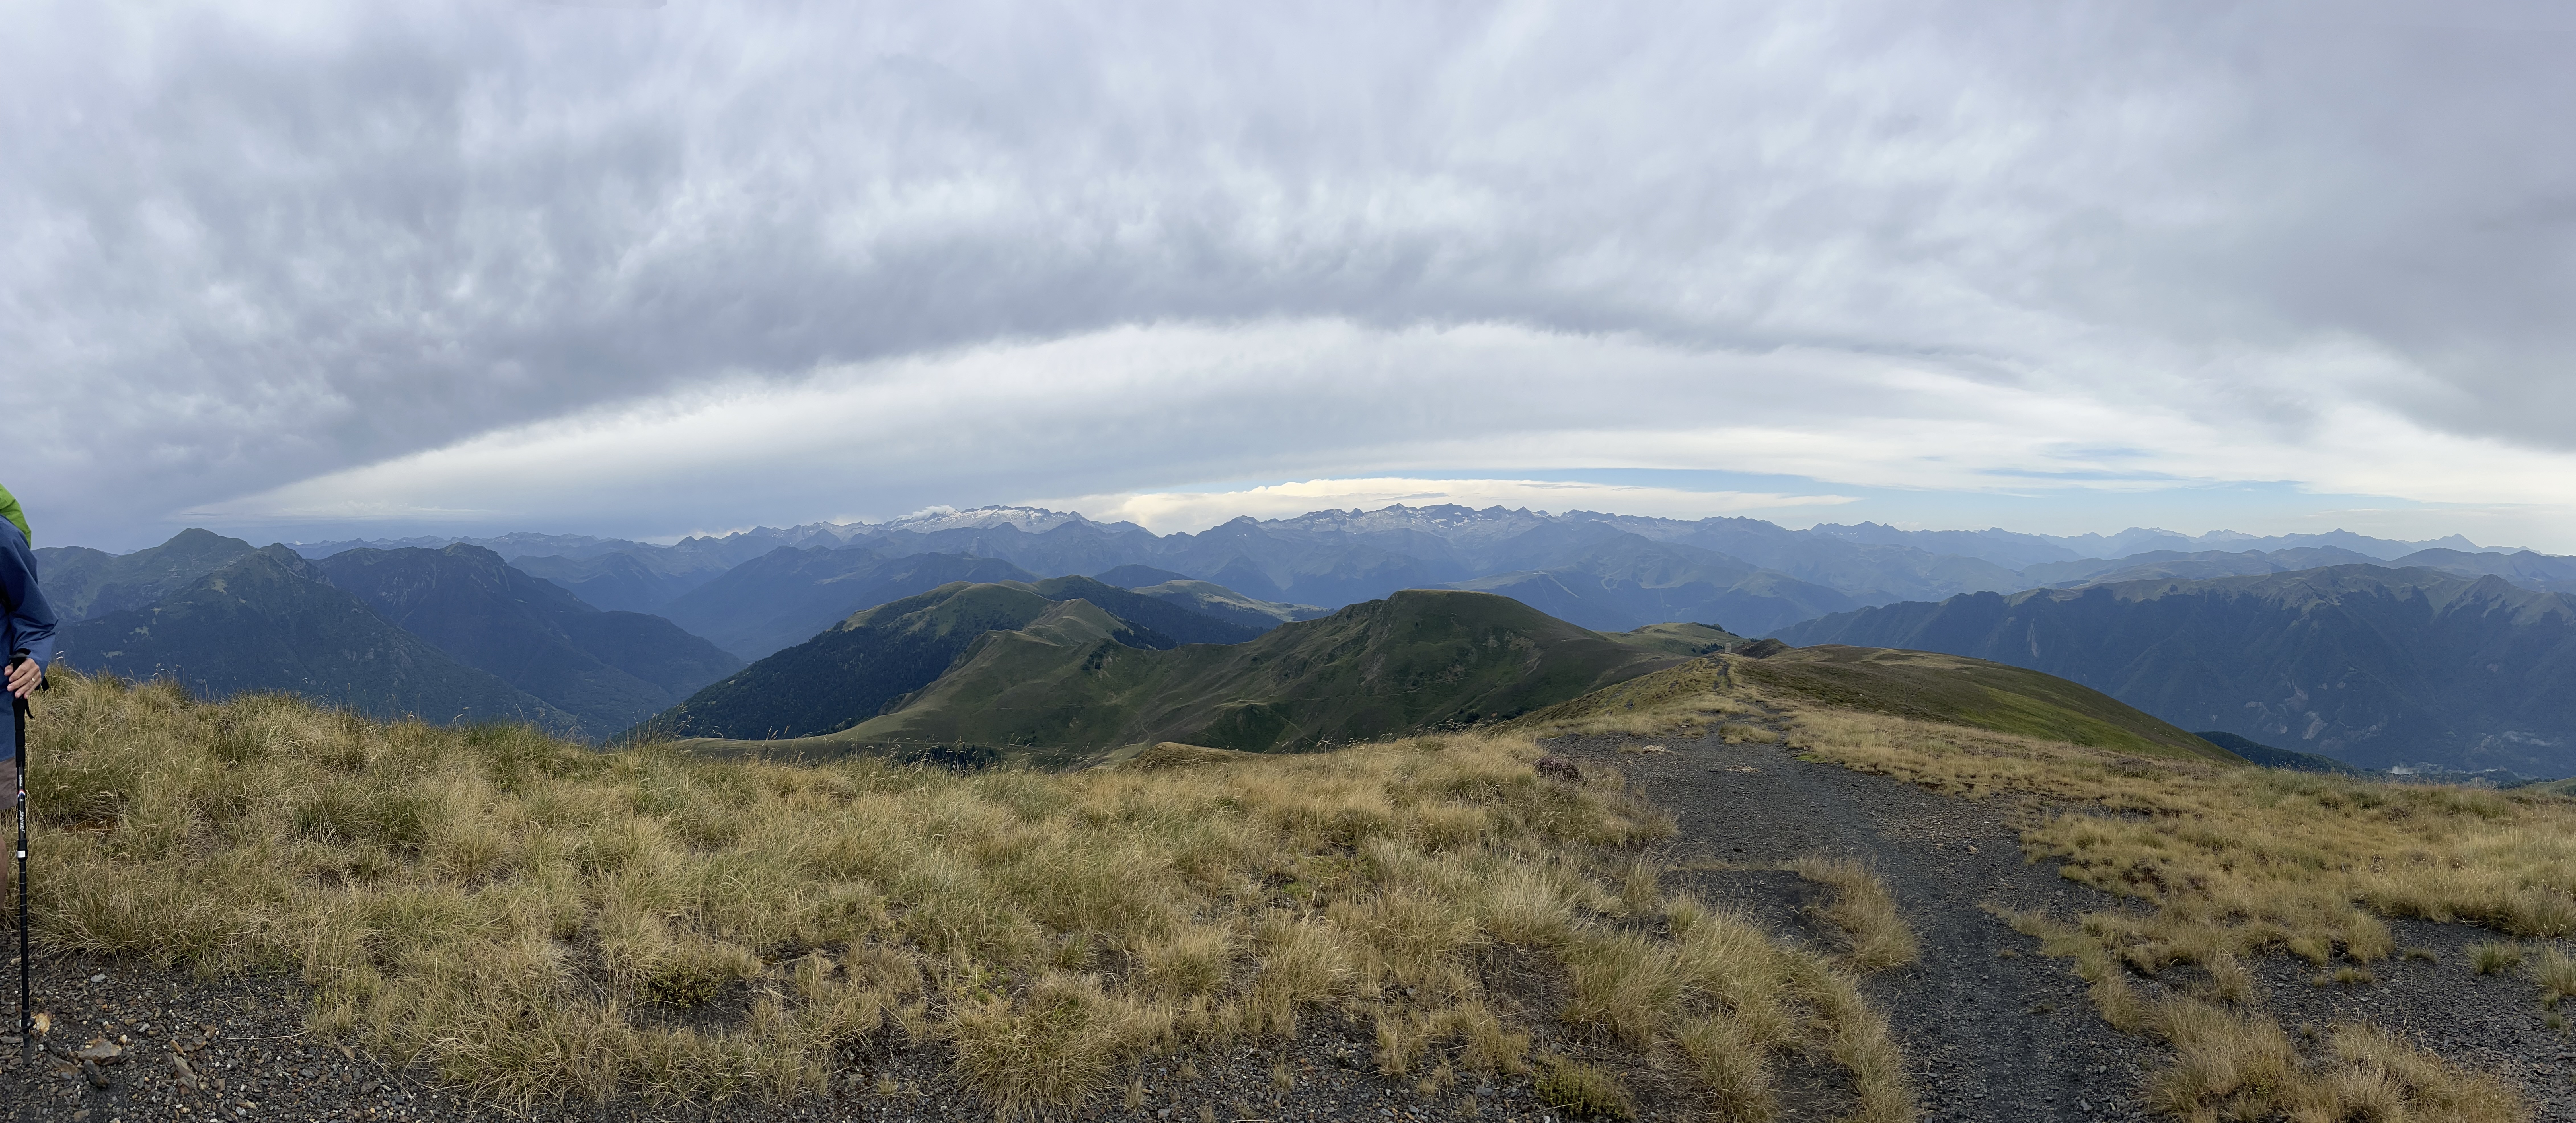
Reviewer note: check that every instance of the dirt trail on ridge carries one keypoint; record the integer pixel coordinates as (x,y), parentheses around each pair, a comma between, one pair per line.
(1991,1029)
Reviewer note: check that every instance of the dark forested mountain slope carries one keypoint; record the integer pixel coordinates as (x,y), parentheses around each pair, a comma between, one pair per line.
(790,594)
(270,621)
(609,669)
(622,581)
(2270,757)
(2367,664)
(2156,565)
(80,582)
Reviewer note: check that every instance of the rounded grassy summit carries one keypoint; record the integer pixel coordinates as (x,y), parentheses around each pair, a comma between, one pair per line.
(1000,670)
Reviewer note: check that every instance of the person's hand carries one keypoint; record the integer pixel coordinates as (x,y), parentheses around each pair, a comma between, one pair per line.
(24,676)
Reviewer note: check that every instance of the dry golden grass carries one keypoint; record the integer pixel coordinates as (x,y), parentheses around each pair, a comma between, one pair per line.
(1864,910)
(2301,861)
(2232,862)
(1680,699)
(1582,1090)
(540,921)
(2487,957)
(2555,971)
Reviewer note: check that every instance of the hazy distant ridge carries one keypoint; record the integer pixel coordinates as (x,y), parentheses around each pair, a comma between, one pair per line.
(1772,576)
(2369,664)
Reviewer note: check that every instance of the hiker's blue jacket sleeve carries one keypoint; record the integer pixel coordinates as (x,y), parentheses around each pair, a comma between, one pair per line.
(30,626)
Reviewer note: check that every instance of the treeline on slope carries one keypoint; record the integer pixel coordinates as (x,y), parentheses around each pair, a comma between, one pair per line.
(2365,664)
(1015,670)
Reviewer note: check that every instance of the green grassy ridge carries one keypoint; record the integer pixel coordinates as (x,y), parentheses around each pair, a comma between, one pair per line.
(793,594)
(1682,639)
(1972,692)
(1181,622)
(875,659)
(1060,688)
(1645,692)
(855,669)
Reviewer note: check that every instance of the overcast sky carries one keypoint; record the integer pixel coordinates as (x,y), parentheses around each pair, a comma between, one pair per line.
(307,271)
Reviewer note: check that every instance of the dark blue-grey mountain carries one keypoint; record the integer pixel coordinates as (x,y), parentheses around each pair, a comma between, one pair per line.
(268,621)
(788,595)
(2368,664)
(607,669)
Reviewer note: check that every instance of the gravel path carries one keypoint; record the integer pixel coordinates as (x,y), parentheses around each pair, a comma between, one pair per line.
(1992,1030)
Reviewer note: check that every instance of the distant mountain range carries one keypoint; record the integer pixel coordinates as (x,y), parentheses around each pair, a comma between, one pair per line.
(595,635)
(1031,672)
(1600,570)
(82,583)
(2368,664)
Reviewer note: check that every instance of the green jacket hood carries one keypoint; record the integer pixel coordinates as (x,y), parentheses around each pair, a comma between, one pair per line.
(16,515)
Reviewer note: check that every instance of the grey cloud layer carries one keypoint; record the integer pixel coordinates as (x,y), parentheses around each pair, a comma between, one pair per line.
(250,246)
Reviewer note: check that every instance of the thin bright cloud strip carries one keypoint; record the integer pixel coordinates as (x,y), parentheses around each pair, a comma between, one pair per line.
(1167,511)
(1134,417)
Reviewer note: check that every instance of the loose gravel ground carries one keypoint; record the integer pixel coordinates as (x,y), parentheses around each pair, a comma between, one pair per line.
(1992,1030)
(250,1060)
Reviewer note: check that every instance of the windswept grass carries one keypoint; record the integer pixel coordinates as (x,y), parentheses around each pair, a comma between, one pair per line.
(542,921)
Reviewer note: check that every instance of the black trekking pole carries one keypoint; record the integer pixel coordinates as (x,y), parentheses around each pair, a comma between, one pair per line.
(26,967)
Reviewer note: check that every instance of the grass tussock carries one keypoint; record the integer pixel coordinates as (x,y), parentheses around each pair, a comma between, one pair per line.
(1583,1091)
(1864,910)
(543,922)
(2488,957)
(2235,1063)
(2555,971)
